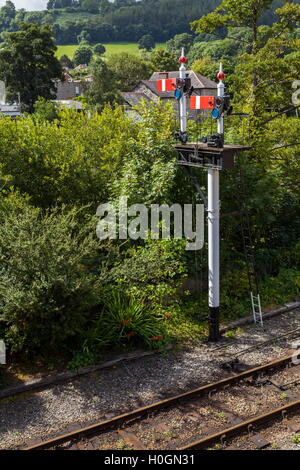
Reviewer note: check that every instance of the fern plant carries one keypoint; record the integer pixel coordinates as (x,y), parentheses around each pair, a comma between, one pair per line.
(125,319)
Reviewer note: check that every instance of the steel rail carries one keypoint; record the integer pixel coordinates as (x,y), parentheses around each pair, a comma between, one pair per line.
(255,346)
(140,412)
(236,430)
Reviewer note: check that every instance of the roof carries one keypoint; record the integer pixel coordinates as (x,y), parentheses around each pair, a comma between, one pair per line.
(133,98)
(201,84)
(81,67)
(152,85)
(10,108)
(198,81)
(67,90)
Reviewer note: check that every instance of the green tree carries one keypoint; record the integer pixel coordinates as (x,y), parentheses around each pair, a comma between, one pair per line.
(264,76)
(28,64)
(180,40)
(102,90)
(207,67)
(128,70)
(161,60)
(84,37)
(216,50)
(65,161)
(83,55)
(9,9)
(99,49)
(92,6)
(146,42)
(66,61)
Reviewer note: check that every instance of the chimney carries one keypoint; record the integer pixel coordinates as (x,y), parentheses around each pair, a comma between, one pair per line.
(163,75)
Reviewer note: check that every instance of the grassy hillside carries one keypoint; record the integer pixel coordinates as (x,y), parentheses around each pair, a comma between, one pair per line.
(111,48)
(63,17)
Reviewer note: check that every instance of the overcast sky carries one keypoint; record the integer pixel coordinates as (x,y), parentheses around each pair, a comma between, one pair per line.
(28,4)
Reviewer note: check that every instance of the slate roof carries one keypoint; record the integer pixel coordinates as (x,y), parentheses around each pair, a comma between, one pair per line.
(133,98)
(201,84)
(197,80)
(68,90)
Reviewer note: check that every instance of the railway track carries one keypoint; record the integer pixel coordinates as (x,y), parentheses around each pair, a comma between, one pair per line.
(289,335)
(208,415)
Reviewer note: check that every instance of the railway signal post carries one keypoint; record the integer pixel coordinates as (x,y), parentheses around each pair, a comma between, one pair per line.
(209,153)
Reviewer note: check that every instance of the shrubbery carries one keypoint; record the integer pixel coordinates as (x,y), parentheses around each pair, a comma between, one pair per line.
(61,287)
(153,271)
(68,161)
(46,288)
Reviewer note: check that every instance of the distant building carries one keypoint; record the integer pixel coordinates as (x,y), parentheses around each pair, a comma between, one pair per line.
(147,89)
(68,89)
(88,78)
(80,67)
(11,110)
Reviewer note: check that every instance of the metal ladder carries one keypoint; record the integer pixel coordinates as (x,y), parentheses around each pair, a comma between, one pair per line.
(256,309)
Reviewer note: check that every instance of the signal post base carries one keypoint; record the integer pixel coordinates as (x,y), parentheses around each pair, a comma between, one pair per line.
(214,325)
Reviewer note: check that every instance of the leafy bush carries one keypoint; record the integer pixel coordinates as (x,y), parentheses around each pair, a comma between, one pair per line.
(74,159)
(154,271)
(45,110)
(125,318)
(46,290)
(279,289)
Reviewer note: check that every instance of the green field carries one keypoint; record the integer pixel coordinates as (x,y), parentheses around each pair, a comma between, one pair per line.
(111,48)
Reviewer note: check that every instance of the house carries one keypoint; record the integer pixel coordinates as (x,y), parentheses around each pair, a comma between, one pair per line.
(147,89)
(80,67)
(88,78)
(68,89)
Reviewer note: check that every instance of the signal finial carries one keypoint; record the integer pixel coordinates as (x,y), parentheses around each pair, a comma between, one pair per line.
(182,58)
(221,74)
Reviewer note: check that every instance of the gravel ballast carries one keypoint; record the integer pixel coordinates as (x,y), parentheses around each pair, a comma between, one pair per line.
(129,385)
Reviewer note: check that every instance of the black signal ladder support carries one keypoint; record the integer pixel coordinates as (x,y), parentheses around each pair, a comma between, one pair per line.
(249,253)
